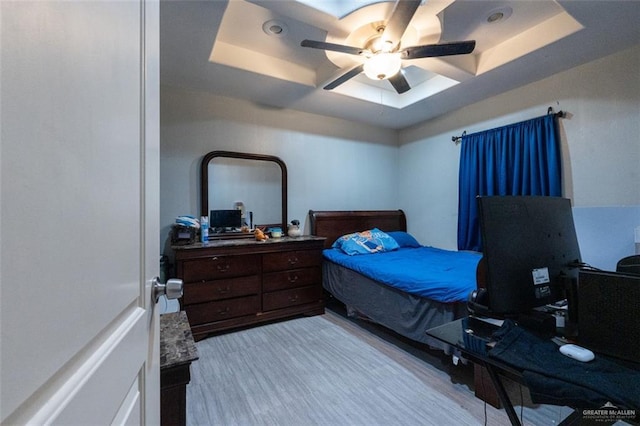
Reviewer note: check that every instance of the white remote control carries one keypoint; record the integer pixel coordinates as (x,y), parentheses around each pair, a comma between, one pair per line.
(577,352)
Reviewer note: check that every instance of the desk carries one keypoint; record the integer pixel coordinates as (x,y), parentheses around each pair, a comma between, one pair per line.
(457,334)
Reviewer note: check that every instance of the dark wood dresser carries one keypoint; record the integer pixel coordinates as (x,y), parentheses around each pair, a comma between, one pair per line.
(240,282)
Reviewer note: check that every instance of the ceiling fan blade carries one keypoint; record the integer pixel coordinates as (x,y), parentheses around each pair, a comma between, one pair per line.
(399,82)
(441,49)
(344,77)
(397,24)
(332,46)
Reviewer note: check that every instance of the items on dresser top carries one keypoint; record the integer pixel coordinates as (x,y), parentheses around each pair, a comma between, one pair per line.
(184,230)
(239,282)
(293,229)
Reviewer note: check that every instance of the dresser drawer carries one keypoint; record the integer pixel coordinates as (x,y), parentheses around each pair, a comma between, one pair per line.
(202,313)
(206,291)
(293,278)
(292,297)
(216,267)
(290,260)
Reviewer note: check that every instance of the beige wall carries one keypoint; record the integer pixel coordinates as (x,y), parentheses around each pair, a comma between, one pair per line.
(332,164)
(600,144)
(337,164)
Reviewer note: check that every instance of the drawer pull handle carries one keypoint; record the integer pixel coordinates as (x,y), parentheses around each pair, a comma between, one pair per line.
(293,299)
(293,260)
(224,311)
(293,278)
(223,268)
(224,290)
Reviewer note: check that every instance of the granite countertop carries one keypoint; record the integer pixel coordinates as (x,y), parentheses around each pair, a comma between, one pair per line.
(246,241)
(177,346)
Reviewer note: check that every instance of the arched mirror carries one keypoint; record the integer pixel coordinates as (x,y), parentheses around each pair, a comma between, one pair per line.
(257,181)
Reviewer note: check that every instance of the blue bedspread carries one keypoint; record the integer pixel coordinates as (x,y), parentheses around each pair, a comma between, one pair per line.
(442,275)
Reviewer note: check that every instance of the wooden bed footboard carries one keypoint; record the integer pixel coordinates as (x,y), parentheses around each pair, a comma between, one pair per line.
(334,224)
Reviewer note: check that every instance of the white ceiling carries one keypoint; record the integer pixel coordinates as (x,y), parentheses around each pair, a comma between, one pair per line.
(220,46)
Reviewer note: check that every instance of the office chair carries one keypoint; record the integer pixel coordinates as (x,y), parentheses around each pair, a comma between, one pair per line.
(629,264)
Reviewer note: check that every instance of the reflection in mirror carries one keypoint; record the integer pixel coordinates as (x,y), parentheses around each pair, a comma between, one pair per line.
(256,184)
(259,182)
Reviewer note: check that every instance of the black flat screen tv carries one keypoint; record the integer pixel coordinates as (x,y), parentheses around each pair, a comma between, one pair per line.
(530,250)
(224,220)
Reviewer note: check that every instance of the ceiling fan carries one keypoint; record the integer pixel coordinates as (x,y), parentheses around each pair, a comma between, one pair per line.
(383,54)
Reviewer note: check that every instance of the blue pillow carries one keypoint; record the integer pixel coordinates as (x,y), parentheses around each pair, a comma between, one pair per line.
(366,242)
(404,239)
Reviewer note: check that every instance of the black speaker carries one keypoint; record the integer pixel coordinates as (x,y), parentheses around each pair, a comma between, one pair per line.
(608,319)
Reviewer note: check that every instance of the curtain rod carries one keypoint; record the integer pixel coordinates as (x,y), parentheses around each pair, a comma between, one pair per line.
(458,139)
(560,114)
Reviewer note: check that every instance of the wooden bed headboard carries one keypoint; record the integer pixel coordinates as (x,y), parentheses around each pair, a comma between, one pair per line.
(333,224)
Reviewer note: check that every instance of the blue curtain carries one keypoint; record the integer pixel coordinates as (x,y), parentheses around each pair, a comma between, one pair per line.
(518,159)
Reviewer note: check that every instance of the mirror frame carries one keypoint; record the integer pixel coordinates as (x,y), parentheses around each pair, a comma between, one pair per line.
(204,178)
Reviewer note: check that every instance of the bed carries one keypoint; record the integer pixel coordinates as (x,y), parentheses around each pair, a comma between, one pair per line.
(407,309)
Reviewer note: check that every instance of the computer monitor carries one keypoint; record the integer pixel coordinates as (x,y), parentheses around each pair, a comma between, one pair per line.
(530,250)
(223,220)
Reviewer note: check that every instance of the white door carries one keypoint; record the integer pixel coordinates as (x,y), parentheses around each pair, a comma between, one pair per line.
(79,224)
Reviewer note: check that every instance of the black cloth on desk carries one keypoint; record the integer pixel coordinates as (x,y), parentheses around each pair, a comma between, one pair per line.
(553,378)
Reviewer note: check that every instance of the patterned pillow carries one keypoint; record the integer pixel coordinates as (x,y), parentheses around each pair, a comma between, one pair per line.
(366,242)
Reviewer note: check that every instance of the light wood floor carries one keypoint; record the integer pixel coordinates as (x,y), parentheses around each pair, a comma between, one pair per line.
(333,370)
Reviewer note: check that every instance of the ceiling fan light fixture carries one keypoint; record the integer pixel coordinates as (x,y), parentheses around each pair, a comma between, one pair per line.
(382,66)
(381,46)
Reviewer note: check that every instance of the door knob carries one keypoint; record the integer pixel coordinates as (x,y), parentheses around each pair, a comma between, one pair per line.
(172,289)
